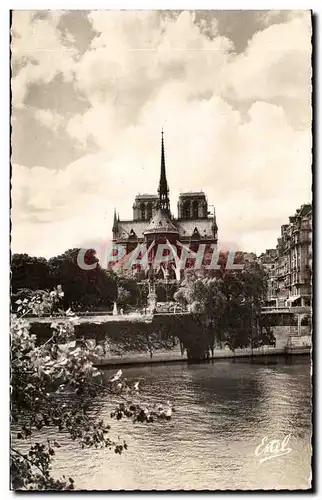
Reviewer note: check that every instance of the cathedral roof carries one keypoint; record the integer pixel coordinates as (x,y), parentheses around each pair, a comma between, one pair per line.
(161,223)
(203,226)
(125,227)
(184,227)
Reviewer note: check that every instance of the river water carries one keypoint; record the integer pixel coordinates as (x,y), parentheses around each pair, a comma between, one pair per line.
(223,411)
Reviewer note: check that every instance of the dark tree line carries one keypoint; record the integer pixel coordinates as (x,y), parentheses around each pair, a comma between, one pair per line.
(95,288)
(83,289)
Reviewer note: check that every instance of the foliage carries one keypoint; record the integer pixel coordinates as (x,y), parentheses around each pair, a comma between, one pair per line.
(165,290)
(143,292)
(227,308)
(129,290)
(147,338)
(28,272)
(94,288)
(123,296)
(54,384)
(83,287)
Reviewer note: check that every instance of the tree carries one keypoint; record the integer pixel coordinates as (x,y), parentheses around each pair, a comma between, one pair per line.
(227,307)
(28,272)
(130,290)
(143,292)
(54,384)
(123,296)
(93,288)
(83,288)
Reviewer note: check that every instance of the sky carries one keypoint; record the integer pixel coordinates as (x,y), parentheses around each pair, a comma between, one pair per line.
(91,91)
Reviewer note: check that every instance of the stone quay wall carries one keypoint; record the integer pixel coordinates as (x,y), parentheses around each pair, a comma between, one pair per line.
(125,339)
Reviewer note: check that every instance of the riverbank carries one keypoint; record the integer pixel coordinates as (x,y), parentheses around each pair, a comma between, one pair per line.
(136,339)
(174,356)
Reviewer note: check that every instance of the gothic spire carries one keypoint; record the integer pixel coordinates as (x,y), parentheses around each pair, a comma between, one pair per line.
(114,221)
(214,224)
(163,190)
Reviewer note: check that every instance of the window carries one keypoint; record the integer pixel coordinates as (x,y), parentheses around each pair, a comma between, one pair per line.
(149,211)
(186,210)
(142,211)
(195,205)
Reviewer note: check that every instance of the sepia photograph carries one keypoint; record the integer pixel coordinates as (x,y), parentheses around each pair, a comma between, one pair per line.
(161,250)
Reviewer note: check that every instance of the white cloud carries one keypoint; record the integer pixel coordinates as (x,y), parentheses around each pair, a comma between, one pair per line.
(53,210)
(50,119)
(136,54)
(37,45)
(276,67)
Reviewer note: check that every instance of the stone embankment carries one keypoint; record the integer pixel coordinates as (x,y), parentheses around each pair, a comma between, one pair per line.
(107,331)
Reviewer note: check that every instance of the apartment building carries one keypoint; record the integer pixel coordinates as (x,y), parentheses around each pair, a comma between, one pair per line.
(289,265)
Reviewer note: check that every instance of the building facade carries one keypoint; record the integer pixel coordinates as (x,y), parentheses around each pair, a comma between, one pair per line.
(153,220)
(289,266)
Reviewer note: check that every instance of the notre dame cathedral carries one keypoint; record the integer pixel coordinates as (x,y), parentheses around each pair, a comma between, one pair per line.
(153,220)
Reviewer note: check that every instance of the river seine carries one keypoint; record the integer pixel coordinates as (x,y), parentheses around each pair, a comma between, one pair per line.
(223,411)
